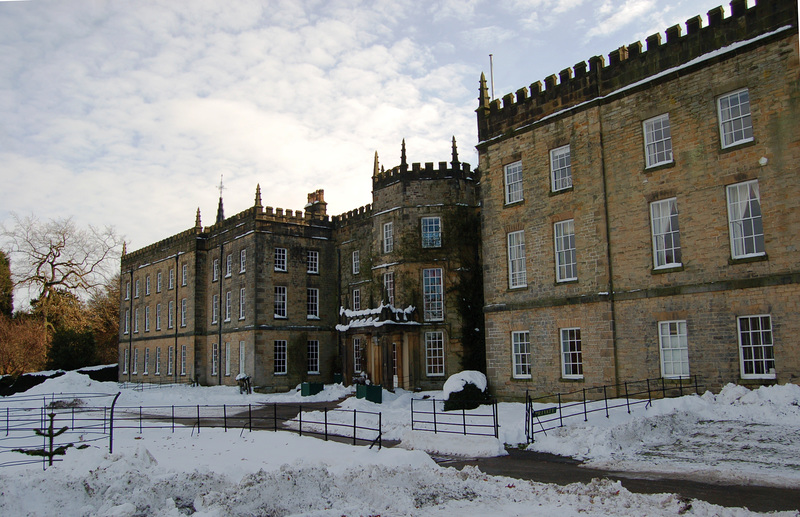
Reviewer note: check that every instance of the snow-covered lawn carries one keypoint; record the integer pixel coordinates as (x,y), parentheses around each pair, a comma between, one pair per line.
(267,473)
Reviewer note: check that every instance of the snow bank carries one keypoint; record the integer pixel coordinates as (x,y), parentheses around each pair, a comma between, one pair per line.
(457,382)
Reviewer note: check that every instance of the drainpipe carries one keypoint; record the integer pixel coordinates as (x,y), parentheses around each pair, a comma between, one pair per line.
(130,326)
(219,317)
(175,372)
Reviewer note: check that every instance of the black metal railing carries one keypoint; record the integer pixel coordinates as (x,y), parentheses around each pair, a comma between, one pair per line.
(547,412)
(429,415)
(32,428)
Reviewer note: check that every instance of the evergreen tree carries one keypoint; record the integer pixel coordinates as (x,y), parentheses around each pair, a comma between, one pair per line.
(71,349)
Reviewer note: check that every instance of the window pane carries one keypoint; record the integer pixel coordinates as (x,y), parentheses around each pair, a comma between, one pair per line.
(560,168)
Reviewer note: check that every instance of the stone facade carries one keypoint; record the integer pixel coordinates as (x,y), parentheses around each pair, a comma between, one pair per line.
(700,274)
(265,289)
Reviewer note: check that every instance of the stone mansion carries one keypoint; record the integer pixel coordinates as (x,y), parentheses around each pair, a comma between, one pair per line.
(631,219)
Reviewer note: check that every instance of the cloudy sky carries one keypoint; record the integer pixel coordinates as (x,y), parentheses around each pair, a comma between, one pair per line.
(126,113)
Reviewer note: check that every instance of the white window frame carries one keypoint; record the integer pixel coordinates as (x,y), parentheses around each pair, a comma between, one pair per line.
(356,299)
(136,288)
(512,181)
(356,262)
(214,308)
(521,354)
(158,316)
(158,282)
(388,287)
(565,251)
(357,355)
(312,303)
(126,329)
(184,275)
(280,356)
(146,367)
(214,358)
(171,279)
(229,265)
(281,256)
(243,260)
(170,356)
(434,353)
(756,341)
(171,314)
(183,311)
(665,230)
(183,359)
(433,294)
(242,303)
(673,345)
(147,285)
(227,359)
(228,303)
(657,141)
(571,359)
(280,300)
(312,262)
(388,237)
(242,357)
(136,320)
(313,356)
(746,230)
(127,290)
(215,271)
(147,318)
(158,361)
(517,269)
(431,228)
(735,119)
(135,369)
(560,168)
(126,361)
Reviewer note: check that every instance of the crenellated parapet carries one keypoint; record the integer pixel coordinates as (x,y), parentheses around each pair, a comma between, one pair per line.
(454,169)
(360,214)
(186,238)
(633,64)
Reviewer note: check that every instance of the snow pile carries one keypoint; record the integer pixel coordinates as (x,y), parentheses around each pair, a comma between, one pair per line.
(739,436)
(457,382)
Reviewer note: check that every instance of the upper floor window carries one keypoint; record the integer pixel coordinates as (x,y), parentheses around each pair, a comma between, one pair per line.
(673,343)
(566,260)
(356,262)
(215,273)
(171,314)
(513,182)
(666,233)
(228,265)
(280,259)
(136,288)
(657,141)
(158,282)
(171,279)
(388,287)
(388,237)
(147,285)
(183,312)
(242,261)
(560,168)
(312,303)
(312,260)
(735,124)
(158,316)
(356,299)
(228,302)
(517,275)
(127,290)
(280,301)
(433,301)
(756,347)
(184,275)
(241,303)
(214,308)
(127,321)
(431,232)
(744,217)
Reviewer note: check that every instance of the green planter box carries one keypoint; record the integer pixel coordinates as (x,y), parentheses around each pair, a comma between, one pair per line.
(337,378)
(374,393)
(361,391)
(310,388)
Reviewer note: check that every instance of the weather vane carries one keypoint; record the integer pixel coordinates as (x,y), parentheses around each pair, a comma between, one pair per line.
(220,185)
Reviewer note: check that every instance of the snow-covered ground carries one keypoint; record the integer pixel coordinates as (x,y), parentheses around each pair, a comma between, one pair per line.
(267,473)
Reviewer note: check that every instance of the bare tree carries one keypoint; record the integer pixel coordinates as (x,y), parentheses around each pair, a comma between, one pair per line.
(23,345)
(57,255)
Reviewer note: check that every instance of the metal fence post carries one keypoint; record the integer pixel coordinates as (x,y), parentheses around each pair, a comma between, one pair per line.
(140,419)
(198,419)
(605,399)
(173,418)
(250,417)
(111,426)
(225,418)
(649,396)
(585,414)
(355,416)
(434,416)
(275,415)
(627,399)
(560,417)
(326,423)
(300,421)
(696,390)
(496,422)
(464,419)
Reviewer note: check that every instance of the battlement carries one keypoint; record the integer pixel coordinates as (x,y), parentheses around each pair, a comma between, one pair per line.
(454,169)
(632,64)
(178,240)
(353,216)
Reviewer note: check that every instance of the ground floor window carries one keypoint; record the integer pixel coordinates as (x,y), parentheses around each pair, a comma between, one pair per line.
(313,356)
(674,347)
(135,361)
(183,359)
(227,358)
(241,356)
(571,355)
(357,354)
(521,344)
(280,357)
(170,358)
(158,360)
(755,347)
(125,363)
(214,356)
(434,353)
